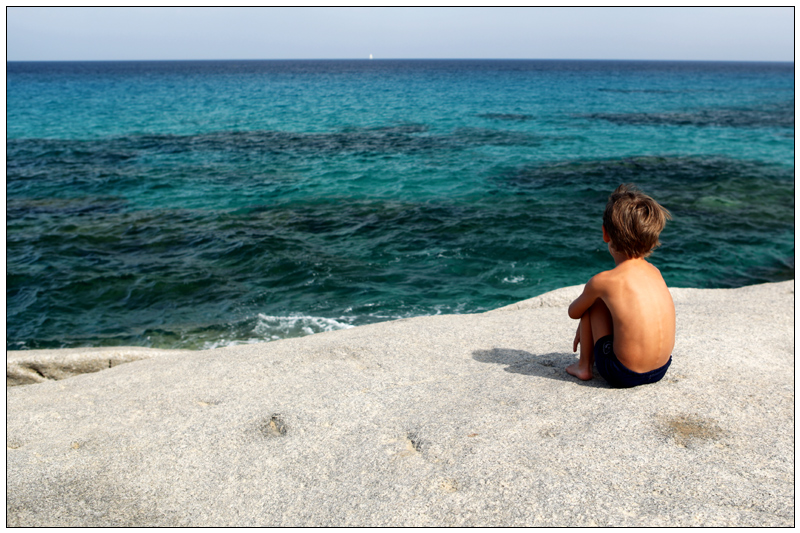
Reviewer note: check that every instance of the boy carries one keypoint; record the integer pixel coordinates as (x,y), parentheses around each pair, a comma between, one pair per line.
(627,317)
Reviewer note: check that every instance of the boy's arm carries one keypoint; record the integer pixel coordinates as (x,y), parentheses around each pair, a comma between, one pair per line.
(591,292)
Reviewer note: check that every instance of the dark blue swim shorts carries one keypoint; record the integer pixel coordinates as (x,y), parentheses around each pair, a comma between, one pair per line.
(617,374)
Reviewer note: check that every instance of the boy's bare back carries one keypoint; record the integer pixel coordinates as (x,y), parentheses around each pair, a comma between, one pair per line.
(642,312)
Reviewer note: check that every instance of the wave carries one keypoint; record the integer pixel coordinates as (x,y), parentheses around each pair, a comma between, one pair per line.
(281,327)
(251,330)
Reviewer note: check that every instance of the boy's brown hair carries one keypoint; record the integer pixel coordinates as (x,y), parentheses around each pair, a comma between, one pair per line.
(633,221)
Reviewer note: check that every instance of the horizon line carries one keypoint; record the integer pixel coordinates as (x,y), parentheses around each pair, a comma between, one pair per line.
(399,59)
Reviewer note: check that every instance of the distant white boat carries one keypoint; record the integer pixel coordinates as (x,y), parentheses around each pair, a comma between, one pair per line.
(370,56)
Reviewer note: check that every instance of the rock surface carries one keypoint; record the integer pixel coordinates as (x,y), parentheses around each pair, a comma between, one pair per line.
(36,366)
(458,420)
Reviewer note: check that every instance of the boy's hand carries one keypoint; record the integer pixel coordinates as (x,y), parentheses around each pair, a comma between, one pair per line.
(577,340)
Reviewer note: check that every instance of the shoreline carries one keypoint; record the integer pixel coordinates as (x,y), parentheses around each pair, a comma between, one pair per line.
(27,367)
(445,420)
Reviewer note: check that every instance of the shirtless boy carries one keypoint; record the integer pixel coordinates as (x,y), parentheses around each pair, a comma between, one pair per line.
(627,317)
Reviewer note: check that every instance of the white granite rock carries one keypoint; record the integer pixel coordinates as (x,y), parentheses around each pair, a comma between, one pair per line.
(458,420)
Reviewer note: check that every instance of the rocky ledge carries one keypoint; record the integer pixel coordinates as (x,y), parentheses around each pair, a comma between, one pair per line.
(458,420)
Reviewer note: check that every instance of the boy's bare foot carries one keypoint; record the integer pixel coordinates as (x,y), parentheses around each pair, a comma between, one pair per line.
(578,372)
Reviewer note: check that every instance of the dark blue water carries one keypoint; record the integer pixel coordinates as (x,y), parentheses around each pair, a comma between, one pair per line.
(199,204)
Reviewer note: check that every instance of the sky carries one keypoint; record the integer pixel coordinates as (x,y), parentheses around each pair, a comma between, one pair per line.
(656,33)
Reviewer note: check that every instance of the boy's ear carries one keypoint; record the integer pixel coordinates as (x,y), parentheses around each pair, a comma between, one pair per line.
(606,238)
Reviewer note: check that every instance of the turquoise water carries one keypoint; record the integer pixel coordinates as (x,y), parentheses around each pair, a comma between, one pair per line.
(201,204)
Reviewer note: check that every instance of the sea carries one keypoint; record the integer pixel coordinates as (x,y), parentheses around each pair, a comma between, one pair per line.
(200,204)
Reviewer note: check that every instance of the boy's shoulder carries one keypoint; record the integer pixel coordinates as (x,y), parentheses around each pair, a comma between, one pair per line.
(640,272)
(605,277)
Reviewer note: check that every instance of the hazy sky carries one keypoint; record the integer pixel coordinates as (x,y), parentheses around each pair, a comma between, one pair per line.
(92,33)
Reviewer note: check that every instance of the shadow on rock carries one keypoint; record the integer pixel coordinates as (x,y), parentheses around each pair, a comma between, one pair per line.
(550,365)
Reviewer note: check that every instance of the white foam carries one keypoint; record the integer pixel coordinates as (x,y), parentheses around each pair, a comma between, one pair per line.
(514,279)
(281,327)
(272,328)
(222,343)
